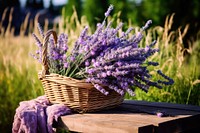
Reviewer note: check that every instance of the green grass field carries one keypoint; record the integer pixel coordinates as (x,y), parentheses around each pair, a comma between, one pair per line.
(18,70)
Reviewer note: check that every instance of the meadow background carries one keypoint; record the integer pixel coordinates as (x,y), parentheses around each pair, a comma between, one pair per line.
(178,57)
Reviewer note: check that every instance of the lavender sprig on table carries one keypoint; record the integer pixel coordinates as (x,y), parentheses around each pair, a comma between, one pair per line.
(105,58)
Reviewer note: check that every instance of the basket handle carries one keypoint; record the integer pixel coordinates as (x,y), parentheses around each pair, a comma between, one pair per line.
(45,68)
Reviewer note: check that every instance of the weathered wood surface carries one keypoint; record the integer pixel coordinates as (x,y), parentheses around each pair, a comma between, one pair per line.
(136,116)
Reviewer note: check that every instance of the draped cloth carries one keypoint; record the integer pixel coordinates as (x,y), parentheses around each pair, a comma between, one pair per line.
(37,116)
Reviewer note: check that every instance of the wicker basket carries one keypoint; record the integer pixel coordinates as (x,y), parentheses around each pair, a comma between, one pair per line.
(76,94)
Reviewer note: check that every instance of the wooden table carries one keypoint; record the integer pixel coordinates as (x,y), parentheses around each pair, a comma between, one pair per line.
(136,117)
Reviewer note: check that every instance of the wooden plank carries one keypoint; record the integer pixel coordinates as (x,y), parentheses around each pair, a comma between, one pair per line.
(154,110)
(103,124)
(152,107)
(164,105)
(134,117)
(144,119)
(189,125)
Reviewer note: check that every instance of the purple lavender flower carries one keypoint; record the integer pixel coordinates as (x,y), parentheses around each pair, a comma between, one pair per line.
(116,88)
(66,65)
(153,63)
(109,10)
(108,73)
(101,89)
(38,42)
(105,59)
(72,58)
(148,23)
(40,30)
(87,63)
(169,82)
(159,114)
(130,91)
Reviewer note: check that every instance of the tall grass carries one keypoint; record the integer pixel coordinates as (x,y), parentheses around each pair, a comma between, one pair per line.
(176,61)
(18,71)
(18,77)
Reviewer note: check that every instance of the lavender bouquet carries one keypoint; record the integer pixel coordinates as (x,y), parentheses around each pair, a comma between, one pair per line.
(104,58)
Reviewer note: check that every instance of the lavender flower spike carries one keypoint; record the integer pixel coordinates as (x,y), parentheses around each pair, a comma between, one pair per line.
(40,30)
(147,25)
(109,10)
(101,89)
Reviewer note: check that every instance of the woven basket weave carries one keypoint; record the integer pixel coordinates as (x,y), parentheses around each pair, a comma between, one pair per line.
(76,94)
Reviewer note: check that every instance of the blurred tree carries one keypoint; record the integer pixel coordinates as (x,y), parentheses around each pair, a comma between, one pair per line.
(186,12)
(69,7)
(51,7)
(94,10)
(123,6)
(35,4)
(8,3)
(155,10)
(15,23)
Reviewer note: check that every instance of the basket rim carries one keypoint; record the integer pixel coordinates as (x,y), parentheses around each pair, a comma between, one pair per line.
(54,77)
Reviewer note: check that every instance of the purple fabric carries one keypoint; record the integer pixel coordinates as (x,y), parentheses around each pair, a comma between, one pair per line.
(37,116)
